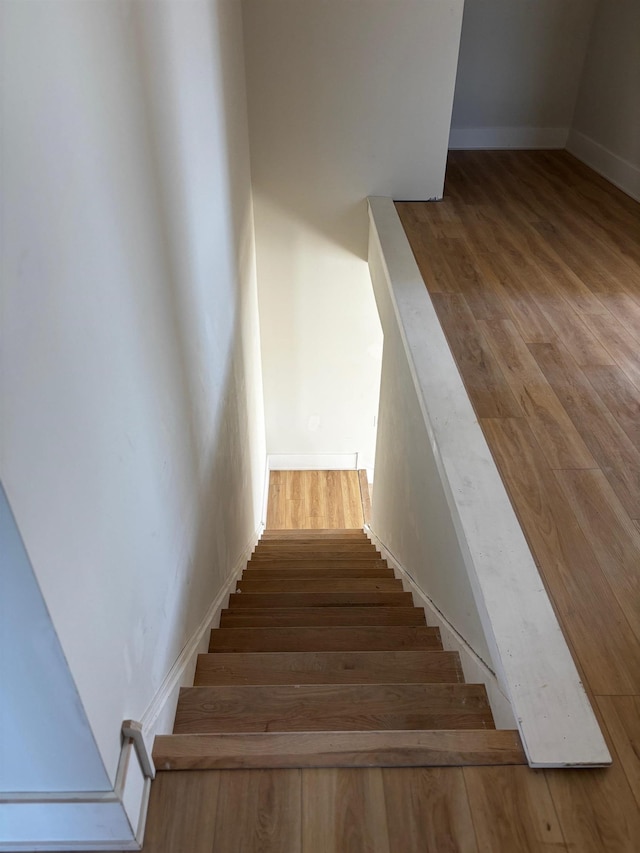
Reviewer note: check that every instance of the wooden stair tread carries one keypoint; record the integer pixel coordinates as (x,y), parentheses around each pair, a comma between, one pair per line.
(322,660)
(319,585)
(328,639)
(324,542)
(311,532)
(321,599)
(305,572)
(300,616)
(410,748)
(349,667)
(313,563)
(332,707)
(307,554)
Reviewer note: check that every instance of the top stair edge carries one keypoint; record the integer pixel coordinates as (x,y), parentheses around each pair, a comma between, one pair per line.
(312,533)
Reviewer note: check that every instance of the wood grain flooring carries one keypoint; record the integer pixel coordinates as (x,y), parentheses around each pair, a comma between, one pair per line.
(537,250)
(314,499)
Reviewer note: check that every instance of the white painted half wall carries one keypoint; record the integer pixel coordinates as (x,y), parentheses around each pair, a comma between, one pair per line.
(519,72)
(132,445)
(346,99)
(606,126)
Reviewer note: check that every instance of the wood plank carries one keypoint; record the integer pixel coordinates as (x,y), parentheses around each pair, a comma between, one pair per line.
(276,516)
(386,667)
(321,599)
(319,544)
(606,648)
(558,438)
(520,306)
(365,497)
(332,707)
(428,810)
(312,563)
(622,718)
(324,639)
(298,584)
(611,533)
(343,810)
(313,533)
(620,396)
(512,810)
(314,494)
(341,749)
(333,496)
(342,550)
(596,809)
(620,343)
(258,811)
(280,617)
(351,502)
(183,811)
(294,487)
(614,453)
(483,379)
(260,573)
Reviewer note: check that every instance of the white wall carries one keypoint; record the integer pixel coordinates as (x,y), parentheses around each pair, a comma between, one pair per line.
(519,72)
(606,125)
(345,99)
(132,449)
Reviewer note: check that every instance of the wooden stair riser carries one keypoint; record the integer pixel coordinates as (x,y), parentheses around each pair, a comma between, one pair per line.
(323,544)
(292,585)
(276,617)
(321,660)
(321,599)
(315,554)
(339,639)
(412,667)
(317,574)
(312,563)
(338,707)
(442,748)
(312,533)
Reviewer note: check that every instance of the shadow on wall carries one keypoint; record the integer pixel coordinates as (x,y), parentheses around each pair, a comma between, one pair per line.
(520,63)
(199,150)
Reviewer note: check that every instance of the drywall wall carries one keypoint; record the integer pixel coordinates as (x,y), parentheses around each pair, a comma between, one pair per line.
(132,447)
(54,751)
(518,72)
(345,99)
(606,125)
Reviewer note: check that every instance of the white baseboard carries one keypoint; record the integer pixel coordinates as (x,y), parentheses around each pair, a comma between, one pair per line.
(467,138)
(475,669)
(621,173)
(159,715)
(312,461)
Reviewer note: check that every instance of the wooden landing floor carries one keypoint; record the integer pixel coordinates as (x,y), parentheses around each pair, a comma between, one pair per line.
(534,263)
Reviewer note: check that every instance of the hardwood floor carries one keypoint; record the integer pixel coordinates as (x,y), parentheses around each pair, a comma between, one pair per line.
(314,499)
(534,265)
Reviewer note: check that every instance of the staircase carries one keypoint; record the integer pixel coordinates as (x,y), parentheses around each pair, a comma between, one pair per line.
(321,659)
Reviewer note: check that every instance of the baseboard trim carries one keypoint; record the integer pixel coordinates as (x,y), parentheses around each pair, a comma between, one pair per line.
(312,461)
(620,172)
(475,669)
(175,678)
(466,138)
